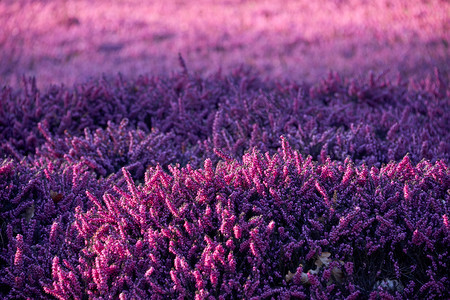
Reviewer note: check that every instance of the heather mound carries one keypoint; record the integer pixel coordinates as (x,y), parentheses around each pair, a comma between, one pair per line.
(225,187)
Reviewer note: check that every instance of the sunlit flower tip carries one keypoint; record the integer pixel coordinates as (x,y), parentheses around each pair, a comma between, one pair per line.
(271,226)
(237,231)
(407,192)
(149,272)
(445,220)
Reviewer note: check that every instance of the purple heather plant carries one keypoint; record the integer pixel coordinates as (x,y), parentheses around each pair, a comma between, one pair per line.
(372,121)
(181,187)
(162,240)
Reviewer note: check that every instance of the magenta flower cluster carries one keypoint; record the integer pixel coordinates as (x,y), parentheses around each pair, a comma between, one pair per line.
(225,187)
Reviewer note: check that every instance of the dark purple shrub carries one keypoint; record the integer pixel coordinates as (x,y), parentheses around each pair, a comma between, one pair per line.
(372,121)
(107,151)
(33,197)
(180,187)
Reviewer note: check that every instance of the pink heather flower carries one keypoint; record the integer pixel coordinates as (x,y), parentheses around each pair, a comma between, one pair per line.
(323,193)
(174,277)
(53,232)
(230,244)
(201,196)
(347,175)
(214,277)
(407,192)
(271,226)
(149,272)
(6,168)
(445,220)
(231,262)
(209,172)
(18,257)
(254,249)
(287,151)
(199,283)
(171,206)
(237,231)
(189,228)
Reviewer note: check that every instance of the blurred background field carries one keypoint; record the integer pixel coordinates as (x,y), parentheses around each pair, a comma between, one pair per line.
(61,41)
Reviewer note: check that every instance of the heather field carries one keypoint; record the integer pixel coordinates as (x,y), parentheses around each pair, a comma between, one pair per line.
(61,41)
(224,149)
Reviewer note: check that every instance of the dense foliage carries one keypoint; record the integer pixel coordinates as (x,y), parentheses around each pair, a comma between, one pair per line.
(225,187)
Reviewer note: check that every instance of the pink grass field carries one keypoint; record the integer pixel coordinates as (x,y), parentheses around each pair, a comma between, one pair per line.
(68,41)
